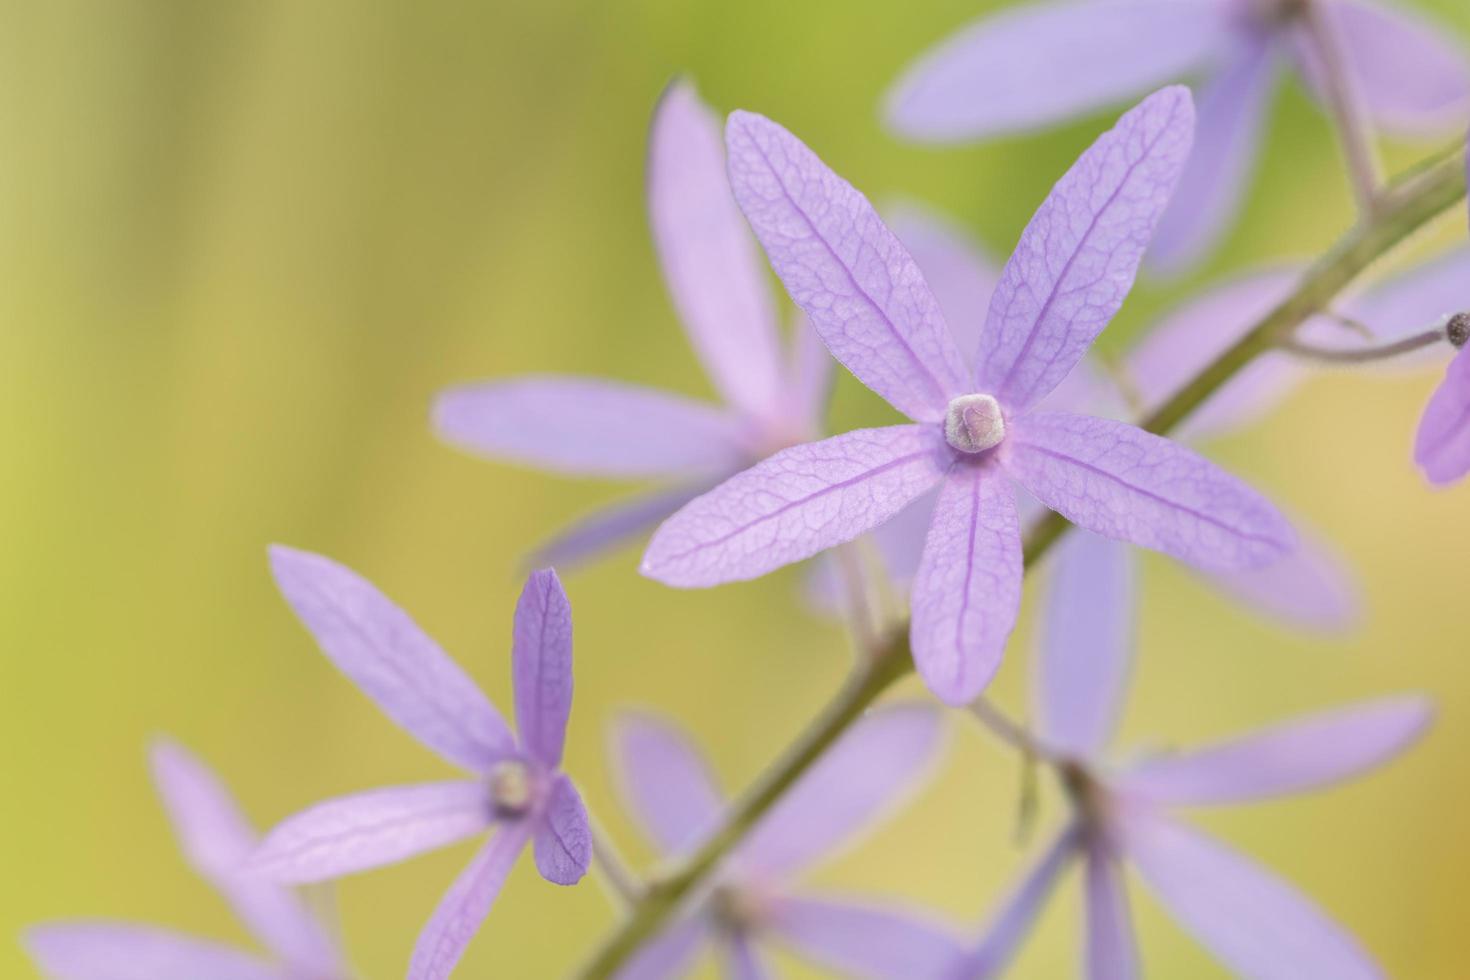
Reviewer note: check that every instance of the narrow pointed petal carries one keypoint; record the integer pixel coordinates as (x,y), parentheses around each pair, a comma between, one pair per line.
(664,782)
(1295,757)
(1017,914)
(541,654)
(796,503)
(1232,111)
(563,838)
(1129,485)
(811,378)
(867,941)
(1311,588)
(85,950)
(1033,66)
(217,841)
(1412,76)
(713,270)
(743,961)
(1087,642)
(1258,925)
(1442,444)
(669,955)
(845,269)
(867,774)
(612,527)
(967,591)
(392,660)
(465,905)
(1077,258)
(588,427)
(1112,950)
(962,277)
(371,829)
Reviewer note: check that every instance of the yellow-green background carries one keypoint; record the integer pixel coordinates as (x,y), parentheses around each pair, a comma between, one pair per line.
(242,244)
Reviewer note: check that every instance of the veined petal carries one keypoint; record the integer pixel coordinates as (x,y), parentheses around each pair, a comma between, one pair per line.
(668,955)
(93,950)
(1087,642)
(392,660)
(1294,757)
(465,906)
(967,592)
(371,829)
(664,782)
(962,277)
(217,841)
(1018,912)
(1032,66)
(1127,484)
(1442,444)
(1077,258)
(711,264)
(1259,926)
(1232,110)
(563,837)
(589,427)
(541,654)
(611,526)
(1312,587)
(796,503)
(868,773)
(845,269)
(866,941)
(1112,950)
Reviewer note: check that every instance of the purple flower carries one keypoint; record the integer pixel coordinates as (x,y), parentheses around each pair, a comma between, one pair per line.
(517,784)
(594,427)
(974,430)
(1047,62)
(878,764)
(217,840)
(1258,925)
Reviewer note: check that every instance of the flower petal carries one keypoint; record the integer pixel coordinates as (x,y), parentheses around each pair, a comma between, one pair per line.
(962,277)
(1127,484)
(541,652)
(1018,912)
(1232,110)
(392,660)
(91,950)
(842,265)
(1112,950)
(1043,63)
(1442,444)
(711,264)
(668,955)
(1259,926)
(1295,757)
(868,773)
(610,527)
(810,385)
(1087,643)
(465,905)
(1077,258)
(588,426)
(218,841)
(967,592)
(1312,587)
(664,782)
(899,542)
(866,940)
(743,961)
(796,503)
(563,838)
(371,829)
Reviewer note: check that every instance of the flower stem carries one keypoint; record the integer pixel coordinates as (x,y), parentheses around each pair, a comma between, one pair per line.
(1002,727)
(1363,355)
(1436,188)
(1346,104)
(621,882)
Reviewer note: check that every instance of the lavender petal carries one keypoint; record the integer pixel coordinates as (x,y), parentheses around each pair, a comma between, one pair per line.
(541,654)
(465,905)
(664,782)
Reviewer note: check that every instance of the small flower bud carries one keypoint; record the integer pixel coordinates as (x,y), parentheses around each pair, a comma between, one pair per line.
(1458,329)
(974,423)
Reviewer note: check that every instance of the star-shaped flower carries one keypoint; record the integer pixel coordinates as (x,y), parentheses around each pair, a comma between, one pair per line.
(974,429)
(1257,924)
(217,840)
(518,785)
(667,786)
(1043,63)
(595,427)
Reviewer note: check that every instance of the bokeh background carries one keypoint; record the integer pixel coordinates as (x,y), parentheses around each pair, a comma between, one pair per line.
(241,246)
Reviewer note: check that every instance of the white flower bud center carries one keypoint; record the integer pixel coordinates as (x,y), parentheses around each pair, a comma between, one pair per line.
(974,423)
(510,787)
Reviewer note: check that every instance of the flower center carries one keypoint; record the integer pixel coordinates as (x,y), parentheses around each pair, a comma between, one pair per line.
(739,909)
(974,423)
(511,788)
(1458,329)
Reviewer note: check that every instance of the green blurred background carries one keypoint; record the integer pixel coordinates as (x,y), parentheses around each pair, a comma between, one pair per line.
(243,244)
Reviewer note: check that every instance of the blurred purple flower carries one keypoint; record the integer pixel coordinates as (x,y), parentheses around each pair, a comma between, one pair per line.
(518,785)
(595,427)
(217,840)
(1258,925)
(867,299)
(1442,445)
(1043,63)
(667,786)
